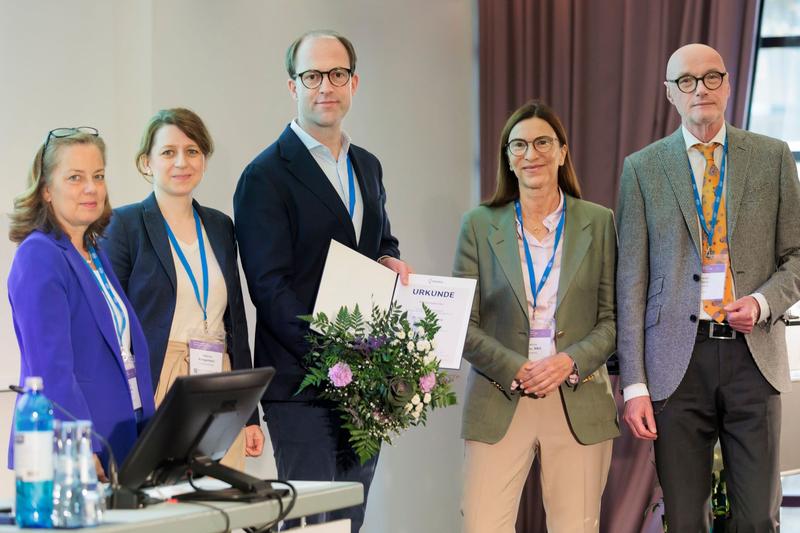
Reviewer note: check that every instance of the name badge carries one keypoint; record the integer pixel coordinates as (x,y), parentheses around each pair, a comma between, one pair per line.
(130,374)
(205,356)
(540,339)
(712,282)
(133,385)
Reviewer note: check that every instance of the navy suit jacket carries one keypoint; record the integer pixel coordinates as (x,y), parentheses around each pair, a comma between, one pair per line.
(66,335)
(137,244)
(286,214)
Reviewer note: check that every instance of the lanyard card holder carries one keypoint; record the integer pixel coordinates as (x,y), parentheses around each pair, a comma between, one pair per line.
(712,282)
(206,352)
(540,341)
(130,373)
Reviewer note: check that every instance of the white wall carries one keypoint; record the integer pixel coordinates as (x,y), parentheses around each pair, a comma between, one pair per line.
(111,64)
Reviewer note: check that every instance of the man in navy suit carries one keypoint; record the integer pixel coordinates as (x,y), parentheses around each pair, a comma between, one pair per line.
(310,186)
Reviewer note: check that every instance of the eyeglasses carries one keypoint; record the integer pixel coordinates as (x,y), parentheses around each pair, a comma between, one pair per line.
(60,133)
(519,147)
(338,77)
(688,83)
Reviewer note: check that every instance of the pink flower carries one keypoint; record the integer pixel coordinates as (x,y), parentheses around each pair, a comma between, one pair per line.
(340,374)
(427,382)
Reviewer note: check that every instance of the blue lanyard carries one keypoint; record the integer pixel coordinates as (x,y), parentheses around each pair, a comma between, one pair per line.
(351,186)
(204,264)
(698,203)
(105,288)
(536,289)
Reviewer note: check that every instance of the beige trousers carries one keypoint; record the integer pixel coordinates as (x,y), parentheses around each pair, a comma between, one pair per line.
(573,475)
(176,363)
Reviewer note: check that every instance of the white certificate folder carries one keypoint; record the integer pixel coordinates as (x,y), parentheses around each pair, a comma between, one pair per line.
(350,278)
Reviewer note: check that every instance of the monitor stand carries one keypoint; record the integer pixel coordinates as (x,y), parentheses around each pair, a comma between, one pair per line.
(243,487)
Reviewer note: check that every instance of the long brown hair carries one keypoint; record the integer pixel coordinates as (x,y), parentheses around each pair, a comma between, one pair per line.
(507,188)
(32,212)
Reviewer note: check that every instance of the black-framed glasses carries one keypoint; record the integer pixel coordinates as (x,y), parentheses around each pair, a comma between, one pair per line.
(338,77)
(519,147)
(60,133)
(688,83)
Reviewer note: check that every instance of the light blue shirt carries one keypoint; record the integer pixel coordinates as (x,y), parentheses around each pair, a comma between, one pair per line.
(335,170)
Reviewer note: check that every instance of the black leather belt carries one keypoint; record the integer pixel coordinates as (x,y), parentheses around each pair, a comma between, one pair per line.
(715,330)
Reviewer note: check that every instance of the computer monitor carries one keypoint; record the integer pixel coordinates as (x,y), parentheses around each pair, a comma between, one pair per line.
(192,429)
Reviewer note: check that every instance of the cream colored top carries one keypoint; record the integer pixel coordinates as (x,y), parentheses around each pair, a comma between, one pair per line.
(188,312)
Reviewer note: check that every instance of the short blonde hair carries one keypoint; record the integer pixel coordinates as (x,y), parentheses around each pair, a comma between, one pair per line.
(291,52)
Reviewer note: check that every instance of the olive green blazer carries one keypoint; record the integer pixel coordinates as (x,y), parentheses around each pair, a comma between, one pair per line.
(497,338)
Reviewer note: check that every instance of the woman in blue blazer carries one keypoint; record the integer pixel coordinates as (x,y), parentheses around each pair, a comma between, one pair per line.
(183,287)
(75,327)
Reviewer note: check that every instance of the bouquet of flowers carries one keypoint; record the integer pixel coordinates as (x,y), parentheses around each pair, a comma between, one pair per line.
(382,373)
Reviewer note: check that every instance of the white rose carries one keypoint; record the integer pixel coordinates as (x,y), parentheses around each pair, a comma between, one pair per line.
(423,345)
(421,331)
(427,397)
(415,400)
(433,344)
(400,334)
(410,346)
(407,407)
(429,358)
(419,407)
(415,414)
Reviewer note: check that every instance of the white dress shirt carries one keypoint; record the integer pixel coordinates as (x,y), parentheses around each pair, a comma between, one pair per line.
(541,252)
(336,171)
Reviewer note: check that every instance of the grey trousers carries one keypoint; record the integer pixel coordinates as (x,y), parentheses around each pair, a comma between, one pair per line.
(723,396)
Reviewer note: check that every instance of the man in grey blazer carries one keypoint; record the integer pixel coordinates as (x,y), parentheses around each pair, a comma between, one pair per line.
(709,260)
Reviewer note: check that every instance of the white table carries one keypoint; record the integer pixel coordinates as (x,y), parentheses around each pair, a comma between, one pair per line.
(312,497)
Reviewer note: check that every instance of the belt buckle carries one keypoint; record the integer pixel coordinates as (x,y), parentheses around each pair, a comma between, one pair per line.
(712,324)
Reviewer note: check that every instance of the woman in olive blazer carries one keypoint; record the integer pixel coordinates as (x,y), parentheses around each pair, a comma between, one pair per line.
(560,405)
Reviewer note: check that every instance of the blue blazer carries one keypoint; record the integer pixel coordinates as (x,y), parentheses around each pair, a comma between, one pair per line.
(66,335)
(137,244)
(286,213)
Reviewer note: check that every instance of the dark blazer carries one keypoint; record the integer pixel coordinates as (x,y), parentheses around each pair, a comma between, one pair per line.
(286,214)
(497,338)
(66,335)
(137,244)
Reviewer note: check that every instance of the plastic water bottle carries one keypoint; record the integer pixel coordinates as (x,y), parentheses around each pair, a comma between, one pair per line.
(67,509)
(33,456)
(92,495)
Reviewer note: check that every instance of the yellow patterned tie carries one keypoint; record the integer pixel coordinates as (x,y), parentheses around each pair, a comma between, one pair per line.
(719,243)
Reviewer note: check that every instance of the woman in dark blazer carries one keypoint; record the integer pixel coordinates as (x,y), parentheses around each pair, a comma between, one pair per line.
(542,327)
(177,262)
(75,327)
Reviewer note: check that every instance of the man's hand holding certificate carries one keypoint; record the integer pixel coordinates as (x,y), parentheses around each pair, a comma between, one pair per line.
(350,279)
